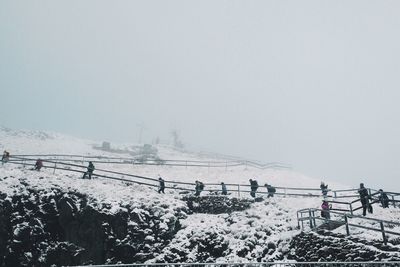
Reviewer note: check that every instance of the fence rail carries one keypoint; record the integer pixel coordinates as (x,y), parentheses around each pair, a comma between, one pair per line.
(312,216)
(159,162)
(153,182)
(211,187)
(66,165)
(349,205)
(265,264)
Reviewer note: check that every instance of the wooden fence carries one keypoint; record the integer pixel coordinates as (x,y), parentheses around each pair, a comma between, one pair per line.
(313,215)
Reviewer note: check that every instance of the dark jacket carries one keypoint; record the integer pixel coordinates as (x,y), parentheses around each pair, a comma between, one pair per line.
(90,168)
(363,194)
(39,164)
(254,185)
(224,188)
(271,189)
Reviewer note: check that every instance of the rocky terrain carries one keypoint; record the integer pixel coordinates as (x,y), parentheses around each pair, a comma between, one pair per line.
(327,246)
(49,225)
(45,227)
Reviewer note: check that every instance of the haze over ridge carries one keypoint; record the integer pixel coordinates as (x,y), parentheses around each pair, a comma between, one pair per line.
(312,84)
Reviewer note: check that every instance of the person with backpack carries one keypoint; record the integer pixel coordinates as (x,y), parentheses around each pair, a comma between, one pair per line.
(90,170)
(324,189)
(325,207)
(364,199)
(271,190)
(224,190)
(384,199)
(161,186)
(38,165)
(6,157)
(253,187)
(198,188)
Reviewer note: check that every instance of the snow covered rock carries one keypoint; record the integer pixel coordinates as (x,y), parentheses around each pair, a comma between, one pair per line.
(42,227)
(214,204)
(325,246)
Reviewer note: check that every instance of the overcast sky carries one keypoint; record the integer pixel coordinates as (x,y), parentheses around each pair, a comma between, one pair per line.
(315,84)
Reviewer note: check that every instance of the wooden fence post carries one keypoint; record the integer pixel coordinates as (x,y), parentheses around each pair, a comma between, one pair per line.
(238,190)
(351,208)
(334,193)
(383,233)
(55,166)
(298,222)
(313,215)
(347,224)
(394,202)
(310,217)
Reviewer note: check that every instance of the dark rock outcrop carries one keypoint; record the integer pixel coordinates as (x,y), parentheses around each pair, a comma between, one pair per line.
(46,227)
(327,246)
(216,204)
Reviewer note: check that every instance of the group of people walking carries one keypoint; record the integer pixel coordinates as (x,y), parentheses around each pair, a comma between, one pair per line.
(6,157)
(199,187)
(365,196)
(365,199)
(254,186)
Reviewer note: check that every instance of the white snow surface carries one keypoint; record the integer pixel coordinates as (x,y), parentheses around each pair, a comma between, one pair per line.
(37,142)
(276,216)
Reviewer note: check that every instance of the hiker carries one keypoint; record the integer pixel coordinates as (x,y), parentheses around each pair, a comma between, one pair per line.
(325,207)
(198,188)
(253,187)
(224,191)
(89,171)
(38,165)
(5,157)
(271,190)
(383,198)
(324,189)
(162,185)
(364,198)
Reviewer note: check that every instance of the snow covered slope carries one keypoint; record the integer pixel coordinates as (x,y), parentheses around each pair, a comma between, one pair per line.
(34,142)
(139,224)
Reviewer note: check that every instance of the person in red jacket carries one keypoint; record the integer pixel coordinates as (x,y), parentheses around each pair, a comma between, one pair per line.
(325,207)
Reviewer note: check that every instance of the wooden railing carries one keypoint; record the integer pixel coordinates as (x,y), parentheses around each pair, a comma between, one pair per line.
(60,163)
(313,215)
(156,161)
(238,189)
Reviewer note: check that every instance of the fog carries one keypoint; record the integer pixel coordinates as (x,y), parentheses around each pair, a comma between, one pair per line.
(314,84)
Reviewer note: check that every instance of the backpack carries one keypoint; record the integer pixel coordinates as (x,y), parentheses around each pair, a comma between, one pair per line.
(201,186)
(254,184)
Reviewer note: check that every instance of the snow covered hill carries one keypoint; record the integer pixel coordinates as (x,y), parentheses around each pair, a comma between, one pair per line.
(34,142)
(58,218)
